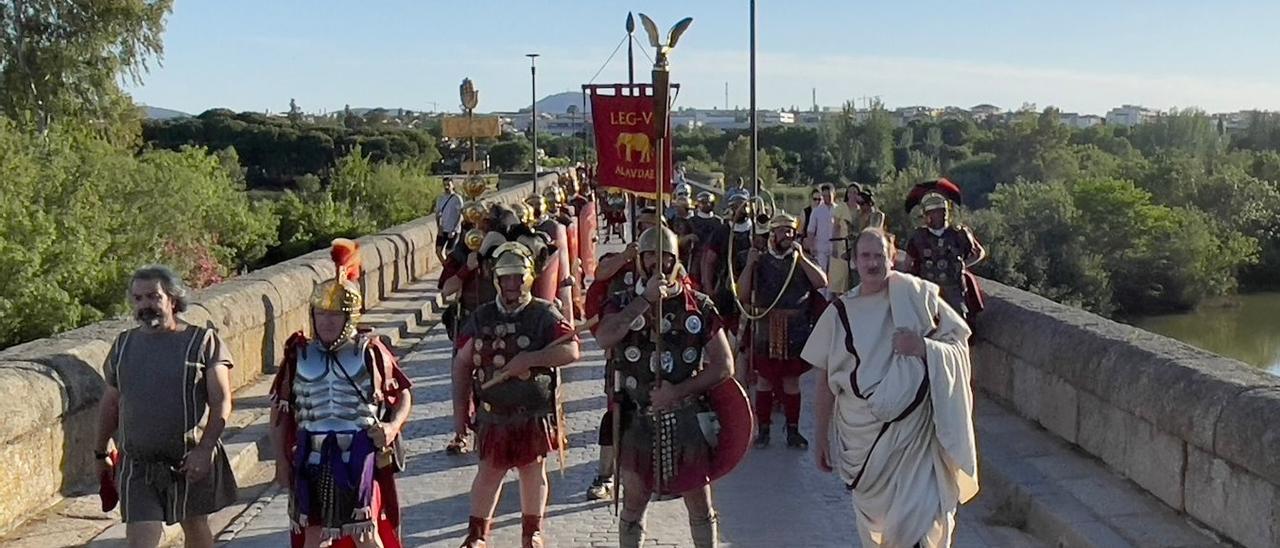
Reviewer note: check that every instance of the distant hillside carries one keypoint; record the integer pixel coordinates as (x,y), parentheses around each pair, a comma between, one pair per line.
(560,103)
(157,113)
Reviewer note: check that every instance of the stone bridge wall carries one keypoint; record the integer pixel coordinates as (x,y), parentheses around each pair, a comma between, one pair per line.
(49,389)
(1199,431)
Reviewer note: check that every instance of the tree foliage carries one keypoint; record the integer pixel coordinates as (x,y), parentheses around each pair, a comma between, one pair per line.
(79,214)
(63,59)
(278,151)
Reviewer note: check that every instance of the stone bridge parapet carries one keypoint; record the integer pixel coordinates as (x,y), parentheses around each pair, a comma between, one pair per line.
(1198,431)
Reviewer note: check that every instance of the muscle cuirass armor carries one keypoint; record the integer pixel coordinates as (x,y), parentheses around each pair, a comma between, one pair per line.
(333,390)
(685,335)
(498,339)
(783,332)
(942,257)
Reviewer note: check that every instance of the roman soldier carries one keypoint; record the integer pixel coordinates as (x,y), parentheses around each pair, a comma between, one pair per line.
(616,275)
(706,227)
(781,287)
(567,216)
(339,402)
(943,252)
(725,257)
(467,279)
(584,204)
(506,365)
(553,282)
(683,420)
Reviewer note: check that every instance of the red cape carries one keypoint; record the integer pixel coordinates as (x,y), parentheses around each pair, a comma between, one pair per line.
(386,501)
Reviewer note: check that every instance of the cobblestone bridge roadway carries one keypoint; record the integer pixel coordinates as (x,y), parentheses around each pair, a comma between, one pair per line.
(775,498)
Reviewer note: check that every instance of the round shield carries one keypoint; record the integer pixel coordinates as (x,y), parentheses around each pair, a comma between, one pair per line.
(926,252)
(666,324)
(693,324)
(942,265)
(523,341)
(737,427)
(632,383)
(500,344)
(632,354)
(501,330)
(638,323)
(478,345)
(499,360)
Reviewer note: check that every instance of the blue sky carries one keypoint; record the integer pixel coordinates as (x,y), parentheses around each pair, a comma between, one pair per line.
(1082,55)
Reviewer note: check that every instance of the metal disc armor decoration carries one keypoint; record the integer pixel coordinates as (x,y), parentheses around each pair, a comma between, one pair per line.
(693,324)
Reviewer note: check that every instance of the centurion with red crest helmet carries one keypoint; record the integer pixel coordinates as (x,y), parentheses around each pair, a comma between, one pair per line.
(942,250)
(339,401)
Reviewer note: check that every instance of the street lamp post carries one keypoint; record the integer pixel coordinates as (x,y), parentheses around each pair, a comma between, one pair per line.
(755,136)
(533,113)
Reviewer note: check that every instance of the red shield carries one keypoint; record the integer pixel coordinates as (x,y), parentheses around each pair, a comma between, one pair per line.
(737,427)
(587,226)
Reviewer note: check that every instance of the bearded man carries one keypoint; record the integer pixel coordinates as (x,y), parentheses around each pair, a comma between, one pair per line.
(166,404)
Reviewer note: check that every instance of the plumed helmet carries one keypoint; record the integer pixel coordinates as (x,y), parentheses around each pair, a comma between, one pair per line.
(341,294)
(660,235)
(706,197)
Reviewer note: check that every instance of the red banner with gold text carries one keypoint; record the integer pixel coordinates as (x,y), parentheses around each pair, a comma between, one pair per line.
(626,148)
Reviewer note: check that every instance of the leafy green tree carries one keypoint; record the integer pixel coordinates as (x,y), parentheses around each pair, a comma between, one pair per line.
(1186,130)
(875,146)
(511,155)
(737,163)
(79,213)
(63,59)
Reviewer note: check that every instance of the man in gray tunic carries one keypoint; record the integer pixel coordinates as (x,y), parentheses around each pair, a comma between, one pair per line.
(166,403)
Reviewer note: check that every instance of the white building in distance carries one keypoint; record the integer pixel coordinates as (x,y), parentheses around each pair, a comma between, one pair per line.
(1130,115)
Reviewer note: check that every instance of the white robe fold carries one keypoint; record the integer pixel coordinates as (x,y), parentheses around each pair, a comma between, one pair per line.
(922,466)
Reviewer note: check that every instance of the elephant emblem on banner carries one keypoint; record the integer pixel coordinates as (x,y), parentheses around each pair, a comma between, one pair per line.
(634,142)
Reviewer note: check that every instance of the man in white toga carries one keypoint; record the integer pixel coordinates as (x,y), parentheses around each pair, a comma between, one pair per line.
(896,362)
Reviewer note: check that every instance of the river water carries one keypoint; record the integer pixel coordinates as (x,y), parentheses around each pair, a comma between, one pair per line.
(1247,328)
